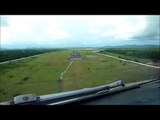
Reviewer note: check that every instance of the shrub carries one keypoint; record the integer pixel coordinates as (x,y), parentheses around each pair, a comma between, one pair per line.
(25,78)
(136,60)
(10,76)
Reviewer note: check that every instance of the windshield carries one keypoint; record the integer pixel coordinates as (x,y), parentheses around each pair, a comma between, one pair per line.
(59,53)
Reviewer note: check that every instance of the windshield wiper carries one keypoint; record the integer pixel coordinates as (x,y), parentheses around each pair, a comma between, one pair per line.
(59,98)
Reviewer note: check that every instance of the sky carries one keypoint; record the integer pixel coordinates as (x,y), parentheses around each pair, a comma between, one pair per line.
(61,31)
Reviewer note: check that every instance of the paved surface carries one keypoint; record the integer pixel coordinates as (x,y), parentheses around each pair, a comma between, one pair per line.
(148,94)
(157,67)
(74,56)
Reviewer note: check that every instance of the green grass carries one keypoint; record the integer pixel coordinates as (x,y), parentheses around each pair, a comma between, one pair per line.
(142,60)
(96,70)
(137,54)
(40,75)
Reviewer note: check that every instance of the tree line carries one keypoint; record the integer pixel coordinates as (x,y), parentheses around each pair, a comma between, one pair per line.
(147,53)
(6,55)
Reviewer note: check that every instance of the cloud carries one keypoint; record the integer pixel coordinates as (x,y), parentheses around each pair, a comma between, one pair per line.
(151,30)
(4,21)
(118,27)
(77,30)
(33,29)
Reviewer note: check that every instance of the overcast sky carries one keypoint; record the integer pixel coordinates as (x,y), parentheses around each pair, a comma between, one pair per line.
(24,31)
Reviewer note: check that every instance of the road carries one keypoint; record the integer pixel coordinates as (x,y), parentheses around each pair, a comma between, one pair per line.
(157,67)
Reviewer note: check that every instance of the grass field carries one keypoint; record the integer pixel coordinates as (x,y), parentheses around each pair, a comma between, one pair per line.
(96,70)
(40,75)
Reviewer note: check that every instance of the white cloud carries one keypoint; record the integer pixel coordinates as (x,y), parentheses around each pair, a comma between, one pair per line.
(73,30)
(33,29)
(119,27)
(55,31)
(151,30)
